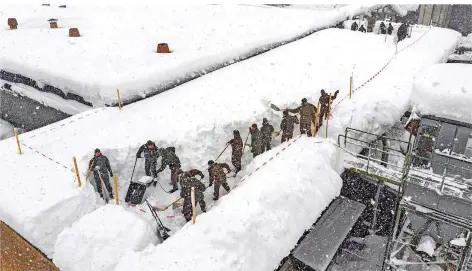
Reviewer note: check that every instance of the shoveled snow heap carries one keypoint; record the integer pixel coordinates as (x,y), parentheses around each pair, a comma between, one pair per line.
(6,129)
(444,90)
(259,222)
(117,47)
(98,240)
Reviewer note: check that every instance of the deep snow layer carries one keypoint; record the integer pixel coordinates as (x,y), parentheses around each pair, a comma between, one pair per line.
(6,129)
(198,117)
(444,90)
(117,49)
(258,223)
(98,240)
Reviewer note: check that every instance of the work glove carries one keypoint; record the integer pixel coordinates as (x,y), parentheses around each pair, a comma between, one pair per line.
(337,91)
(138,156)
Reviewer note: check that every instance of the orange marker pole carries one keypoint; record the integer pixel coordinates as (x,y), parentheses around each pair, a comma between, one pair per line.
(17,140)
(115,185)
(77,172)
(317,119)
(120,105)
(350,87)
(194,213)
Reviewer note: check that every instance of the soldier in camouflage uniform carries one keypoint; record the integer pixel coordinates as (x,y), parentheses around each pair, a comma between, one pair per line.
(256,140)
(218,176)
(187,181)
(151,153)
(100,166)
(169,158)
(307,116)
(287,126)
(324,105)
(237,150)
(266,131)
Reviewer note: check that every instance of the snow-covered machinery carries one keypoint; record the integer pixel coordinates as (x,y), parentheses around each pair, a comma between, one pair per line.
(432,173)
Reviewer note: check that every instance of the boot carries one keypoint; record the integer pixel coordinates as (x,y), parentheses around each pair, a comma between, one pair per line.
(215,198)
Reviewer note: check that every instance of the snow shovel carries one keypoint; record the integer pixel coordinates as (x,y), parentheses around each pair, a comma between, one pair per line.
(276,134)
(274,107)
(161,229)
(90,170)
(227,145)
(245,141)
(175,204)
(105,192)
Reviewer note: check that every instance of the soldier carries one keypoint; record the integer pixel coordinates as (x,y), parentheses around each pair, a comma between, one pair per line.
(390,29)
(237,150)
(218,176)
(324,105)
(287,126)
(100,166)
(383,28)
(151,153)
(256,140)
(266,131)
(187,181)
(169,158)
(354,26)
(307,116)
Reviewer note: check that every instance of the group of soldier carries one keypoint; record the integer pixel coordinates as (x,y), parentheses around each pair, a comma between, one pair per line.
(260,142)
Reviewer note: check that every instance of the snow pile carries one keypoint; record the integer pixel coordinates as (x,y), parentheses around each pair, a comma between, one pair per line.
(98,240)
(117,49)
(444,90)
(258,223)
(6,129)
(427,245)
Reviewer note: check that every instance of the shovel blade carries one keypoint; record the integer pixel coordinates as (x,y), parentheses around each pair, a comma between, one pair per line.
(274,107)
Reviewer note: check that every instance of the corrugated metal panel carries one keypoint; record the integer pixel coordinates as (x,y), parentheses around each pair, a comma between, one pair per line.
(319,246)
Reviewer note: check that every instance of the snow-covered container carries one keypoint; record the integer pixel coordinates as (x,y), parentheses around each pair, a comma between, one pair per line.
(98,240)
(444,90)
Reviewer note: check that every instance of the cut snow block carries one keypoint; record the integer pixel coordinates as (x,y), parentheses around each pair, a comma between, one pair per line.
(74,32)
(163,48)
(12,23)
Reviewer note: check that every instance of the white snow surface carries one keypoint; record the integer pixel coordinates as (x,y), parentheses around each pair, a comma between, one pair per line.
(117,49)
(444,90)
(257,224)
(198,119)
(6,129)
(98,240)
(426,245)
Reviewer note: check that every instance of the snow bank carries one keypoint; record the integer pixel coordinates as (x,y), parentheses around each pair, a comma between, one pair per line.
(117,46)
(258,223)
(6,129)
(98,240)
(444,90)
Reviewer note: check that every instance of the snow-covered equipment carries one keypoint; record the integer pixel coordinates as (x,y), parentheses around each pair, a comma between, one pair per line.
(161,230)
(137,189)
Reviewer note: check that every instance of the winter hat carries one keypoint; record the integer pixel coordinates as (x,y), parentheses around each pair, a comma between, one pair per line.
(264,120)
(149,143)
(285,112)
(211,162)
(254,126)
(304,100)
(236,133)
(97,150)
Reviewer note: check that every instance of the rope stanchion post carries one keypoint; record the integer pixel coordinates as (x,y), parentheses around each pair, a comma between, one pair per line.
(115,187)
(17,141)
(194,212)
(328,115)
(350,87)
(79,183)
(317,119)
(120,105)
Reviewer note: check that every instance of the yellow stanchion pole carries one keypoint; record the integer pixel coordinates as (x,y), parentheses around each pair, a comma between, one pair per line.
(328,115)
(120,105)
(194,213)
(317,119)
(350,87)
(115,186)
(17,140)
(77,172)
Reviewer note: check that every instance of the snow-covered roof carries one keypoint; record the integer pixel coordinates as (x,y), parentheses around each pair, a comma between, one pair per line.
(117,47)
(444,90)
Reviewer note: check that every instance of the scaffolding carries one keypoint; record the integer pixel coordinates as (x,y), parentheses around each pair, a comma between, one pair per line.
(429,206)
